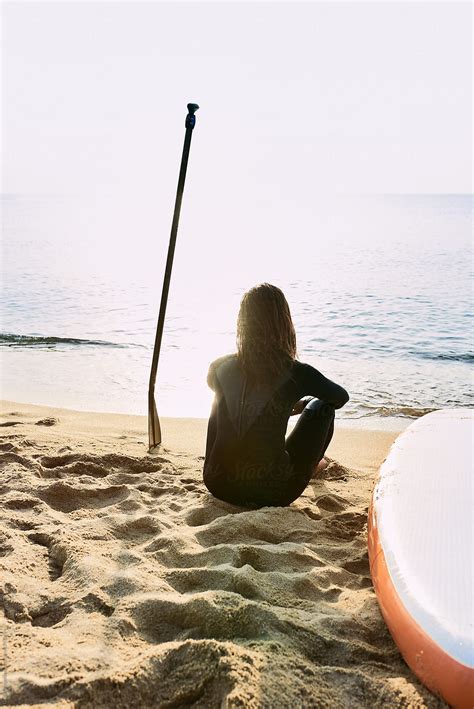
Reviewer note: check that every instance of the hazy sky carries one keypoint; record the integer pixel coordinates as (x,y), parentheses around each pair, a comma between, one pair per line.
(296,99)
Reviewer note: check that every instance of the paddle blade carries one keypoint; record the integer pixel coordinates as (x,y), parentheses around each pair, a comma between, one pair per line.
(154,429)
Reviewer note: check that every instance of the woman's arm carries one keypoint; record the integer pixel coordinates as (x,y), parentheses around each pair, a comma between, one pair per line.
(211,429)
(299,406)
(318,385)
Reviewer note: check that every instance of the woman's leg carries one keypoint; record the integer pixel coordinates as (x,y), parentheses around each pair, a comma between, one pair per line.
(312,434)
(308,442)
(306,445)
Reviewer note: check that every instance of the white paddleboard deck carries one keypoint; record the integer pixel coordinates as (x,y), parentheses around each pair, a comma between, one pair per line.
(421,549)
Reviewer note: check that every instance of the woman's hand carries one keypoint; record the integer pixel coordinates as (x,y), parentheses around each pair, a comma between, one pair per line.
(299,406)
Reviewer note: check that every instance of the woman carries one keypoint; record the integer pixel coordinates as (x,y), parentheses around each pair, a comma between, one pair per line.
(248,461)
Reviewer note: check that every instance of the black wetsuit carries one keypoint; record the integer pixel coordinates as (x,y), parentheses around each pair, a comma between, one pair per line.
(248,460)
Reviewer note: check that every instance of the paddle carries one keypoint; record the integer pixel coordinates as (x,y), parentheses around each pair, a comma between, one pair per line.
(154,429)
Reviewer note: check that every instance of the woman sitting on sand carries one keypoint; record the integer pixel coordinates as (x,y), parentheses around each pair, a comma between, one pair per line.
(248,461)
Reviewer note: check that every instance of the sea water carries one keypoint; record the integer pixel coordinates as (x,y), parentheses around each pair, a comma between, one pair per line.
(379,288)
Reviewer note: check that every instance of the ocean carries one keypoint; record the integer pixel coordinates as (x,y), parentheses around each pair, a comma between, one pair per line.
(380,290)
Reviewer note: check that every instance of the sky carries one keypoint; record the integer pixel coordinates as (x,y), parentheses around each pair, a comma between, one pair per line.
(297,100)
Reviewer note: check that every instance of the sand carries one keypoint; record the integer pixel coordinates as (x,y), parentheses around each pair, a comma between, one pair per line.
(124,583)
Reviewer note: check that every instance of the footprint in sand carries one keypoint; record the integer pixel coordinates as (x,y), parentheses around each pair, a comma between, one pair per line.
(244,582)
(192,484)
(55,560)
(49,421)
(21,503)
(137,529)
(331,503)
(193,487)
(96,603)
(65,498)
(129,505)
(286,560)
(218,615)
(10,457)
(111,462)
(50,615)
(24,525)
(153,490)
(359,566)
(76,469)
(346,525)
(311,513)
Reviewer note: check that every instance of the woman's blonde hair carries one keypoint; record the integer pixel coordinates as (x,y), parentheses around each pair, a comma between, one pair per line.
(266,338)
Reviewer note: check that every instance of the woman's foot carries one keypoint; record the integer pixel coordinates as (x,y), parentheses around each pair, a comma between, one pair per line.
(320,468)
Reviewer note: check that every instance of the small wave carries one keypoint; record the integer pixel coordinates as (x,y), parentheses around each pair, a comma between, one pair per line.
(10,340)
(405,411)
(447,356)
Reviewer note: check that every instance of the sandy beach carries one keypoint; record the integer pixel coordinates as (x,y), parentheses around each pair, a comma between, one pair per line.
(125,583)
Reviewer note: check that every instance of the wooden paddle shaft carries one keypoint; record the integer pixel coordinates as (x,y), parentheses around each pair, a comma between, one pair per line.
(190,123)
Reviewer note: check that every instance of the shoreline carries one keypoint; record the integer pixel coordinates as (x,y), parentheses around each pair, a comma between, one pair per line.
(370,423)
(355,446)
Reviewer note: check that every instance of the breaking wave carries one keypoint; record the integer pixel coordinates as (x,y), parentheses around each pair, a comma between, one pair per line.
(40,341)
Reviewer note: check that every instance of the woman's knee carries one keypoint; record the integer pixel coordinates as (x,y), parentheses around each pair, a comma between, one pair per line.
(319,409)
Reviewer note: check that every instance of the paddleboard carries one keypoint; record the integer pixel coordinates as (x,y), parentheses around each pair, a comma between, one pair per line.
(420,542)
